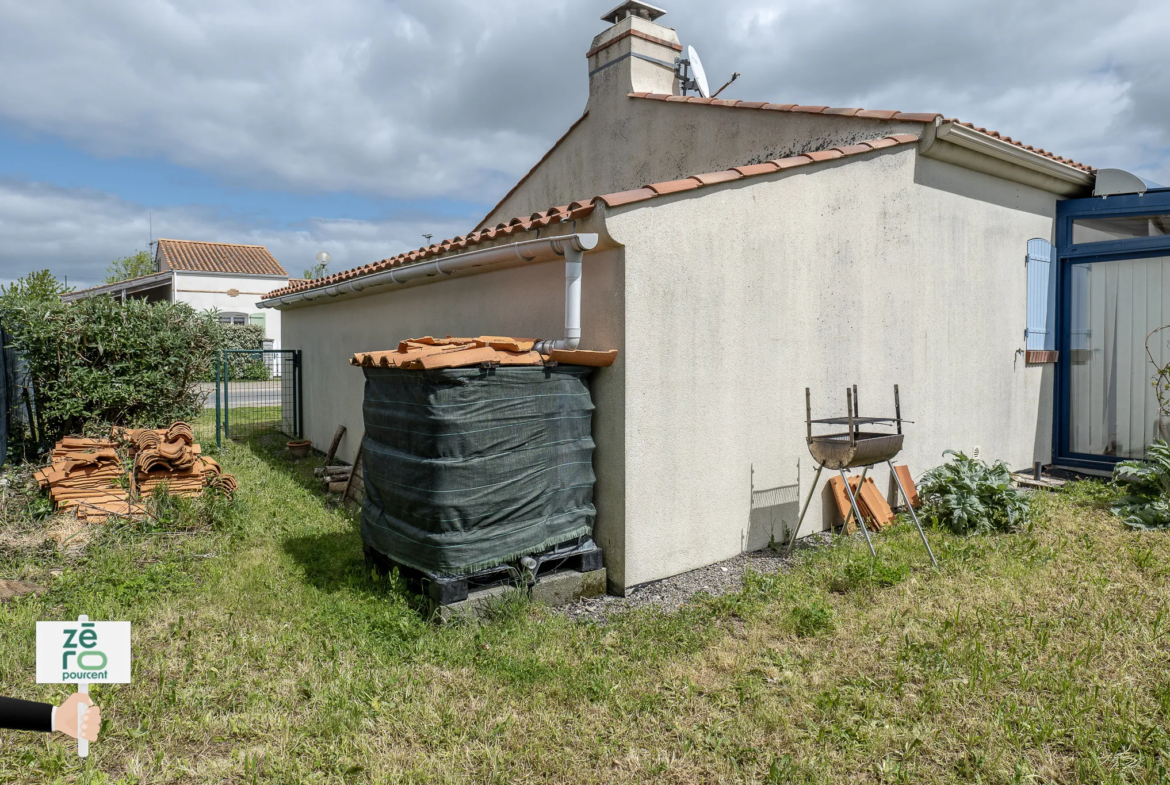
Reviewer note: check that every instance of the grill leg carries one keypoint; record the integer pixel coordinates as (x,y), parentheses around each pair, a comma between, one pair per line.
(807,502)
(914,515)
(857,512)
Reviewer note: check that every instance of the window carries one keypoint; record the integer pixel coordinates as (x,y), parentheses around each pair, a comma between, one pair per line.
(1125,227)
(1040,332)
(257,318)
(233,318)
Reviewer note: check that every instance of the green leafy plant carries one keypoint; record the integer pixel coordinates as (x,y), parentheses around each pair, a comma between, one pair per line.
(136,265)
(1146,484)
(243,367)
(104,360)
(970,496)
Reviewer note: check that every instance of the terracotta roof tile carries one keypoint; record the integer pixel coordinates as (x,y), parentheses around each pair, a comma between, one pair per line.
(626,197)
(877,114)
(796,160)
(673,186)
(581,209)
(711,178)
(870,114)
(754,169)
(193,256)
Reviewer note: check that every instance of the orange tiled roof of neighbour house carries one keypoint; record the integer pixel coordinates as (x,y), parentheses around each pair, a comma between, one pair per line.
(581,209)
(202,257)
(875,114)
(429,353)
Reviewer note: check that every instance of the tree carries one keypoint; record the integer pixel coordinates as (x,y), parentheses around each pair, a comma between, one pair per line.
(135,266)
(317,271)
(103,360)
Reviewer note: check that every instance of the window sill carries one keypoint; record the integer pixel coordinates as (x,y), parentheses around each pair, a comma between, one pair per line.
(1033,357)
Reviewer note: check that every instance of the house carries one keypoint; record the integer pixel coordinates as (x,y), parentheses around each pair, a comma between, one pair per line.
(228,277)
(735,253)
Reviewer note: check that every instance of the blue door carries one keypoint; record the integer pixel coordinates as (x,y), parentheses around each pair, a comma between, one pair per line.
(1113,279)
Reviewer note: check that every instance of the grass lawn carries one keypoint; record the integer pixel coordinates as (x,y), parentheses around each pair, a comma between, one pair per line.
(266,653)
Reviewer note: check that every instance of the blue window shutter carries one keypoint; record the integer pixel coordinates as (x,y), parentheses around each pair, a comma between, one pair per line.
(1041,327)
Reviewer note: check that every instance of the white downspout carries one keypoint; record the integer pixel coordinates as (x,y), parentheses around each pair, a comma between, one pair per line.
(573,256)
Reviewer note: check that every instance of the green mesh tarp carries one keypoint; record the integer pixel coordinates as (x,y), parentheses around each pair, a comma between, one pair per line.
(469,468)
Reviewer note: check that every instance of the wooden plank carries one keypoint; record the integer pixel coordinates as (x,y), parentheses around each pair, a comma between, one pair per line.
(334,444)
(350,492)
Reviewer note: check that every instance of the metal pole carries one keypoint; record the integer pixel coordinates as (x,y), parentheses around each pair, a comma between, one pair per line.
(864,469)
(807,502)
(898,408)
(914,515)
(227,406)
(857,512)
(300,398)
(218,370)
(808,411)
(849,412)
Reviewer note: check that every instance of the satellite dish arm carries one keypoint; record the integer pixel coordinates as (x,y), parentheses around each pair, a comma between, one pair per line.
(726,84)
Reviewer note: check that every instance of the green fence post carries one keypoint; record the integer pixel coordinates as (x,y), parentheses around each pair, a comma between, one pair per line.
(217,414)
(227,406)
(300,398)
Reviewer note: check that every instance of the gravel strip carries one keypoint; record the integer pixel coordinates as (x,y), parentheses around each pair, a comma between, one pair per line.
(672,593)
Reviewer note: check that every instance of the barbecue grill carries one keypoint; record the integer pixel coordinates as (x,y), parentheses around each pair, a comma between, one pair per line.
(856,448)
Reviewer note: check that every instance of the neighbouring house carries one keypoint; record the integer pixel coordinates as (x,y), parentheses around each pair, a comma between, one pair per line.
(737,252)
(228,277)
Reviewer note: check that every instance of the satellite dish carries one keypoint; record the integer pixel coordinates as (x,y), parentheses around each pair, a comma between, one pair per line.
(697,72)
(324,257)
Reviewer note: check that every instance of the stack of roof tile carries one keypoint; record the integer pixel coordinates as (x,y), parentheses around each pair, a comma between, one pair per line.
(170,457)
(87,476)
(429,353)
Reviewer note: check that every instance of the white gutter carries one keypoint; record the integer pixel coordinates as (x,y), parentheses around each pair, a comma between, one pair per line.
(570,247)
(982,152)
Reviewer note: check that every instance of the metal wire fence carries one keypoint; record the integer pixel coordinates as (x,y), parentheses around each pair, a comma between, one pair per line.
(258,391)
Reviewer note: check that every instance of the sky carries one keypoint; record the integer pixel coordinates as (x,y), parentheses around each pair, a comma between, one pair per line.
(358,126)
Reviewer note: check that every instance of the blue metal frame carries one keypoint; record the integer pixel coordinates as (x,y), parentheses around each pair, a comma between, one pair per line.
(1067,254)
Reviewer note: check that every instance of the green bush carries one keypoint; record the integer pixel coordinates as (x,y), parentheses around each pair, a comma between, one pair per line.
(968,495)
(103,360)
(243,367)
(1146,485)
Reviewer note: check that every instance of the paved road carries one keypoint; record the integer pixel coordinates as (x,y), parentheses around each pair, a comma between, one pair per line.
(243,393)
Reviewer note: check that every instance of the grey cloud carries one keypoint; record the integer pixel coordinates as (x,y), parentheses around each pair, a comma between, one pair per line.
(458,98)
(76,233)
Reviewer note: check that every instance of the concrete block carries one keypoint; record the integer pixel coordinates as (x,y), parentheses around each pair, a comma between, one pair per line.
(559,588)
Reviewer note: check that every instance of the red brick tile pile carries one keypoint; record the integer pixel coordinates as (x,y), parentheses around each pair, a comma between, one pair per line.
(91,476)
(429,353)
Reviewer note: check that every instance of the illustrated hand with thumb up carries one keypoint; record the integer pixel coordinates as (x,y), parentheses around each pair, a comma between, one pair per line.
(65,718)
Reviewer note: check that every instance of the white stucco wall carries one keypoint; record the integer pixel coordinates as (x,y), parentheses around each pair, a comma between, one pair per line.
(522,301)
(204,291)
(890,269)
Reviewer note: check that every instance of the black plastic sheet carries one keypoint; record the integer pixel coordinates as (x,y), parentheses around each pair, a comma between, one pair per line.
(469,468)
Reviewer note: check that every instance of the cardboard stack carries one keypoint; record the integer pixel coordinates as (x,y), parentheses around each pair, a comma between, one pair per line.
(91,477)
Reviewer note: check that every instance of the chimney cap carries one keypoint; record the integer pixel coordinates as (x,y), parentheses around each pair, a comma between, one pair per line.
(633,8)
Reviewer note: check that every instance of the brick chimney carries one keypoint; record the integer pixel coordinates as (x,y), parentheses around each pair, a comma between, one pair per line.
(636,54)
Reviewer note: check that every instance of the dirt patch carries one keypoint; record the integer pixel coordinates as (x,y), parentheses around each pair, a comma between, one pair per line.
(672,593)
(10,589)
